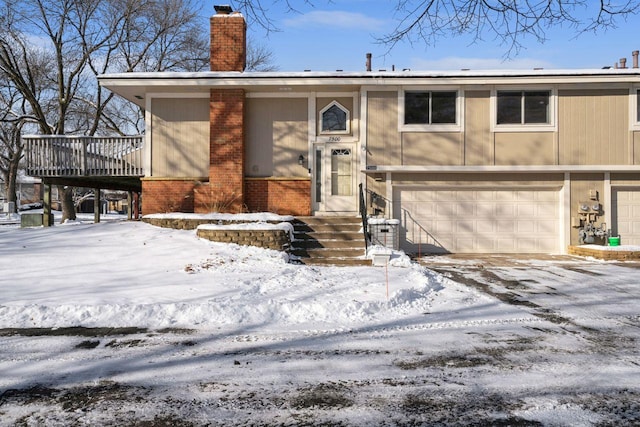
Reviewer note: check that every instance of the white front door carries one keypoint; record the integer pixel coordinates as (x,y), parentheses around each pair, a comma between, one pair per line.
(335,178)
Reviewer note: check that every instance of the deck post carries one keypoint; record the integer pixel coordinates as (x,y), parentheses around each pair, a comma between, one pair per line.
(47,218)
(129,205)
(96,205)
(136,205)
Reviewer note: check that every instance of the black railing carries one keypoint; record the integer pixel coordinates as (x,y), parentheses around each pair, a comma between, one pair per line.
(417,239)
(363,214)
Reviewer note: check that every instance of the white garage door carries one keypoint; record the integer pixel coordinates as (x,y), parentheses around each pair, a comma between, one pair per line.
(626,215)
(483,221)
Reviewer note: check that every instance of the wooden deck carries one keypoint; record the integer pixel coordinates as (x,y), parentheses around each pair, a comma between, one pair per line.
(79,156)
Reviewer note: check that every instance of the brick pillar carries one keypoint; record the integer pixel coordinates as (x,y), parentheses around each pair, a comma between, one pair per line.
(226,149)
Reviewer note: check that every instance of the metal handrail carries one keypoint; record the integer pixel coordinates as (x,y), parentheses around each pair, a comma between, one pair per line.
(363,214)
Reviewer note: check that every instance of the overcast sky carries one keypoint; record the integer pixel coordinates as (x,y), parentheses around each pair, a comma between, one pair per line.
(337,34)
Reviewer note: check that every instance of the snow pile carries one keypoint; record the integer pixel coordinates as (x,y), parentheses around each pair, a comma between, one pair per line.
(134,274)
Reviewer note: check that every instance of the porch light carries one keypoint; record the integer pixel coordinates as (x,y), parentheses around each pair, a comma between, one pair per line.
(301,160)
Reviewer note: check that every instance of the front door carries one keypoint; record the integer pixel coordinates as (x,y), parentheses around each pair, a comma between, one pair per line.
(335,178)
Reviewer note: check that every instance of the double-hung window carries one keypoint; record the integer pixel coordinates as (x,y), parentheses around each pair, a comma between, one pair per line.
(429,110)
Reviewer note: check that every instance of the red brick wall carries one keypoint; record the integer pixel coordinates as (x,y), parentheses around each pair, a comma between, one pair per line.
(285,197)
(226,148)
(161,196)
(228,42)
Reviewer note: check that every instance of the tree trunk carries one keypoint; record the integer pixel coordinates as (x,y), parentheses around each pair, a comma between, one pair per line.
(10,184)
(65,194)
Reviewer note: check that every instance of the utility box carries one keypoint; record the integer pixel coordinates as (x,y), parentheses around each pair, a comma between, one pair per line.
(384,232)
(34,219)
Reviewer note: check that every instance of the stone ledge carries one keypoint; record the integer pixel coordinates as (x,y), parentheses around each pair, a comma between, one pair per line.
(268,239)
(190,223)
(606,253)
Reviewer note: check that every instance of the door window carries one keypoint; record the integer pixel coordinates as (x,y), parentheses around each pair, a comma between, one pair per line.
(341,176)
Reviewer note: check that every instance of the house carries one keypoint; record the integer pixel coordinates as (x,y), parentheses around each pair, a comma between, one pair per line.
(526,161)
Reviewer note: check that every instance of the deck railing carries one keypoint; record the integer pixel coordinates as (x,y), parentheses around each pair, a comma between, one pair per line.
(68,156)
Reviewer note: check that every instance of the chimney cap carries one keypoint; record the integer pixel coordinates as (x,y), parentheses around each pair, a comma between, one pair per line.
(224,9)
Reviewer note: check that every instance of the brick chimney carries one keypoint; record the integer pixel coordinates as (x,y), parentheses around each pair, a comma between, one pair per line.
(225,190)
(228,40)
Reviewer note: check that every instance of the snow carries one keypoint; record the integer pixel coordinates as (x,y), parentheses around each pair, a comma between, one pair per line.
(238,335)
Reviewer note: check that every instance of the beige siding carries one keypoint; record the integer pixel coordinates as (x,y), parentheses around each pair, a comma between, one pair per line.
(480,180)
(276,135)
(580,186)
(524,148)
(346,102)
(636,148)
(180,137)
(432,148)
(478,146)
(383,138)
(593,127)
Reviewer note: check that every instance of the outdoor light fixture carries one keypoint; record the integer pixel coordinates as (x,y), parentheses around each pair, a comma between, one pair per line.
(301,160)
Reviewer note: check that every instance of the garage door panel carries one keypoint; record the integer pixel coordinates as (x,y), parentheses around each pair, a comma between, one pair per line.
(471,220)
(626,215)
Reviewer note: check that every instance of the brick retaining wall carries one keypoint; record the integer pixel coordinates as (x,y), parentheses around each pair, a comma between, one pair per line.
(605,254)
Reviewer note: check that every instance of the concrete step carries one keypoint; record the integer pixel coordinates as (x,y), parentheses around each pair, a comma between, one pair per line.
(347,235)
(329,252)
(327,228)
(347,262)
(329,241)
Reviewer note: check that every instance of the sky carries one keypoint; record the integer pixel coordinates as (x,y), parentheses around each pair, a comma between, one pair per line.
(336,35)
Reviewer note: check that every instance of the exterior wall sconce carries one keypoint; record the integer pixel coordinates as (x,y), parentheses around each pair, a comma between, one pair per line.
(301,160)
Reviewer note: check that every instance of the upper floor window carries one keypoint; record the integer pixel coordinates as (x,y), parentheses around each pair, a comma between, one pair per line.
(638,105)
(334,118)
(429,110)
(523,107)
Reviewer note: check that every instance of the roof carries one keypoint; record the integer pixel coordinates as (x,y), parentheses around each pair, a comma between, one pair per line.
(135,86)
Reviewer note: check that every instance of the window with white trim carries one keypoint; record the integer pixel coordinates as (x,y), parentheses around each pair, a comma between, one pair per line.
(525,107)
(430,107)
(334,119)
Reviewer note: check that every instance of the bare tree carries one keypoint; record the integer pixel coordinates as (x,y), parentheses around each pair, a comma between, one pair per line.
(259,57)
(507,21)
(52,50)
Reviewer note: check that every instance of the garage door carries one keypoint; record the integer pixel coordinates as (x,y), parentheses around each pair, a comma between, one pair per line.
(626,215)
(482,221)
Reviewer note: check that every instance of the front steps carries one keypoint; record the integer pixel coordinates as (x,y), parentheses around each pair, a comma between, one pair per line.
(334,240)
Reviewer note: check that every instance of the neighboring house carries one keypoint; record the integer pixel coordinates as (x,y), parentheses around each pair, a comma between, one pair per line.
(28,191)
(527,161)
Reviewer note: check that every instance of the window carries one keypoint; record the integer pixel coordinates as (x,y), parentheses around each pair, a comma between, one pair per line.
(334,118)
(523,107)
(430,108)
(638,105)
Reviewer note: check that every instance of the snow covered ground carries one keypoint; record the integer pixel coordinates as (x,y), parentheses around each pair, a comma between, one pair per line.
(123,322)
